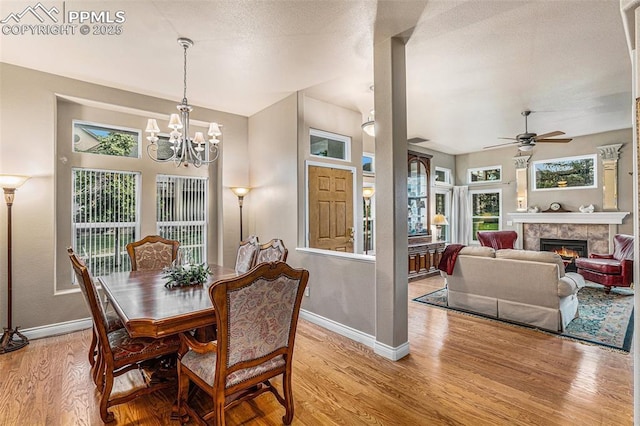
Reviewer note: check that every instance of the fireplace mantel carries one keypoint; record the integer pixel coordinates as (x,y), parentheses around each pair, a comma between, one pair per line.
(605,218)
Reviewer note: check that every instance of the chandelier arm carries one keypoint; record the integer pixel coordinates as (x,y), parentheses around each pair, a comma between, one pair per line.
(154,147)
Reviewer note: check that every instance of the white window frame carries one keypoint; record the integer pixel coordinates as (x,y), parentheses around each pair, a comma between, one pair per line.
(89,225)
(479,169)
(106,126)
(447,177)
(499,217)
(373,164)
(346,140)
(447,211)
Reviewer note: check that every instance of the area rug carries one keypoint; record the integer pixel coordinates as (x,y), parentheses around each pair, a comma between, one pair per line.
(604,319)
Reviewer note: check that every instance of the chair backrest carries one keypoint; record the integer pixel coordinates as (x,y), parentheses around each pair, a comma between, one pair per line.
(272,251)
(498,239)
(247,252)
(91,296)
(257,317)
(152,253)
(623,247)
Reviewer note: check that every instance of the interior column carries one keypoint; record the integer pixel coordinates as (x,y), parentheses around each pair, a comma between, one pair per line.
(391,193)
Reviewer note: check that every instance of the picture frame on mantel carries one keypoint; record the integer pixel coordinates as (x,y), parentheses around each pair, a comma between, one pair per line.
(579,172)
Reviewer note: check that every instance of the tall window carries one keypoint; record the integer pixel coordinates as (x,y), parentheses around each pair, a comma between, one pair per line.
(105,218)
(182,213)
(486,211)
(443,207)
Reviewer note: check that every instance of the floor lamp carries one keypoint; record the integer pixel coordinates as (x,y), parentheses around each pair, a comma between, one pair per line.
(11,339)
(240,193)
(367,193)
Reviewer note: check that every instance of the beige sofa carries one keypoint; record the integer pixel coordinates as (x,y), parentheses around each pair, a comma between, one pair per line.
(524,286)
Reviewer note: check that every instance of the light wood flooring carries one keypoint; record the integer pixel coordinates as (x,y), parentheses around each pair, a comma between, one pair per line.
(461,371)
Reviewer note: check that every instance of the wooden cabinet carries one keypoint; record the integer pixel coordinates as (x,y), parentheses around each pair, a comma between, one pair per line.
(424,258)
(424,255)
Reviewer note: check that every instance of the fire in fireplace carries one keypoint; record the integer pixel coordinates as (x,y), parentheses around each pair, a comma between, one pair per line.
(569,250)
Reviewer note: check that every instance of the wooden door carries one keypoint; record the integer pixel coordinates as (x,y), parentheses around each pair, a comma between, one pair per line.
(330,209)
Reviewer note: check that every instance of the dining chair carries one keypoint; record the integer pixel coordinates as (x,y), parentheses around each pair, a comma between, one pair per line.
(246,256)
(256,316)
(152,252)
(119,353)
(272,251)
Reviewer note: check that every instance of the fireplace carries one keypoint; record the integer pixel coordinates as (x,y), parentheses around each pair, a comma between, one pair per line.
(569,250)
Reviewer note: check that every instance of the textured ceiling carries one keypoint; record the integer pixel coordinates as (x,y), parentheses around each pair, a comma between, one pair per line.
(472,66)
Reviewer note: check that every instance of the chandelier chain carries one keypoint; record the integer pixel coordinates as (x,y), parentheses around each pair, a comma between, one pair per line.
(184,97)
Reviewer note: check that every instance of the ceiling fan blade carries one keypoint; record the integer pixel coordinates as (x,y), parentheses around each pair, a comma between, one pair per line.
(500,144)
(511,139)
(548,135)
(553,140)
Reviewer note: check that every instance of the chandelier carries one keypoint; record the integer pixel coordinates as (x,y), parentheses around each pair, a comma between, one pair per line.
(183,148)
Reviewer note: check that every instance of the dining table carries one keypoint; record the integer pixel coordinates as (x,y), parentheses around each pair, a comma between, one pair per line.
(148,308)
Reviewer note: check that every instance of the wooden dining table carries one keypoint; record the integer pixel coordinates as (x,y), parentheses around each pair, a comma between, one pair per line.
(149,309)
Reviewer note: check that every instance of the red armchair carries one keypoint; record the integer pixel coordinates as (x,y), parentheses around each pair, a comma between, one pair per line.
(498,239)
(610,270)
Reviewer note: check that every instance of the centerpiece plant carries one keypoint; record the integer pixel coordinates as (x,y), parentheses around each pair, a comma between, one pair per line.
(186,275)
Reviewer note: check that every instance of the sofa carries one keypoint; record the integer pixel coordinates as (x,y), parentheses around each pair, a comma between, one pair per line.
(528,287)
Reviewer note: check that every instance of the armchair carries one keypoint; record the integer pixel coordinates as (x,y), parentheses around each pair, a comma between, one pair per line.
(272,251)
(152,252)
(610,270)
(247,253)
(498,239)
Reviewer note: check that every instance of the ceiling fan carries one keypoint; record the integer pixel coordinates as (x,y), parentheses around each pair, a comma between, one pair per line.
(526,141)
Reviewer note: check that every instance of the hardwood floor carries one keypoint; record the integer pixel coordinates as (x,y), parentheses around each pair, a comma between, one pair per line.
(461,371)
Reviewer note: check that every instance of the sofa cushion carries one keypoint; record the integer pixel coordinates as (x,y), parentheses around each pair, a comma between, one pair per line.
(605,266)
(478,251)
(532,256)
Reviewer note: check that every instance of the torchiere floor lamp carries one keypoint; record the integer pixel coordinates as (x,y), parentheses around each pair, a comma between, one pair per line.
(240,193)
(12,339)
(367,193)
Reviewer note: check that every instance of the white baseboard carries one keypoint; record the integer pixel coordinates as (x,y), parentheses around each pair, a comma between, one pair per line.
(389,352)
(57,329)
(341,329)
(381,349)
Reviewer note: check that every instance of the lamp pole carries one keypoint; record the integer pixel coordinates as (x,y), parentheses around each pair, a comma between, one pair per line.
(9,185)
(240,192)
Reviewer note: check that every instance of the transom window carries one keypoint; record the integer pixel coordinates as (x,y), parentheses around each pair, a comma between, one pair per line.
(105,139)
(331,145)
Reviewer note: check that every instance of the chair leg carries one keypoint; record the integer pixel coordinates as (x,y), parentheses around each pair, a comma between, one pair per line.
(219,413)
(288,398)
(100,371)
(92,347)
(104,401)
(607,289)
(183,396)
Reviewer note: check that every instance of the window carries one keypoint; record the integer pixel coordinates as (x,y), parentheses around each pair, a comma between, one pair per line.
(368,164)
(182,213)
(105,218)
(442,177)
(331,145)
(104,139)
(484,174)
(443,207)
(486,211)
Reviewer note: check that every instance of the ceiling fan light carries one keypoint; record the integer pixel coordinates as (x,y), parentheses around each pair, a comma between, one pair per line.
(525,147)
(369,127)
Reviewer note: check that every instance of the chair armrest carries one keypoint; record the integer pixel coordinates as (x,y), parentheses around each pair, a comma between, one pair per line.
(627,271)
(189,342)
(600,256)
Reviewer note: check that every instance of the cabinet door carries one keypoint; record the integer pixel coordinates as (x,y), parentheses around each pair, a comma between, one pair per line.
(418,195)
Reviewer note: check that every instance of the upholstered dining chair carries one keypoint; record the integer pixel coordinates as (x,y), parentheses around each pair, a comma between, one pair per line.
(152,252)
(119,353)
(246,256)
(257,316)
(610,270)
(272,251)
(498,239)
